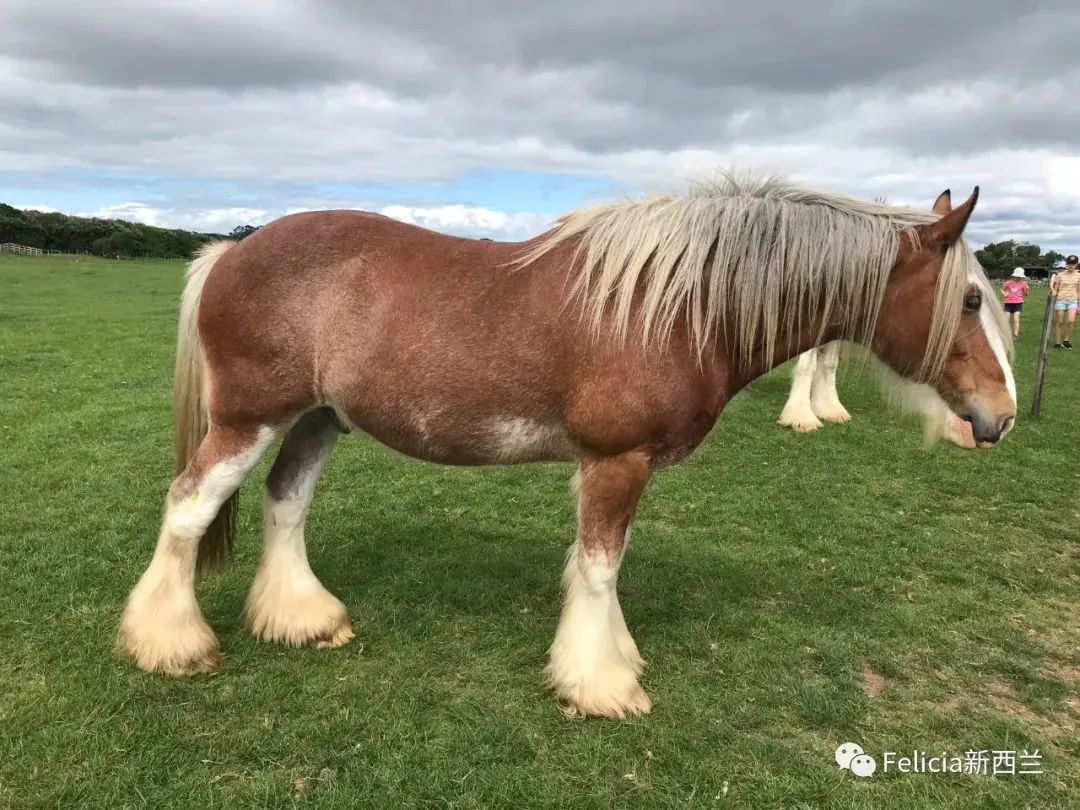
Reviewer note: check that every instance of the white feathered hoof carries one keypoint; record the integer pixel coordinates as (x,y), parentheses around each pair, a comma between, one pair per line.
(799,415)
(295,614)
(629,650)
(165,632)
(832,412)
(604,686)
(803,421)
(616,695)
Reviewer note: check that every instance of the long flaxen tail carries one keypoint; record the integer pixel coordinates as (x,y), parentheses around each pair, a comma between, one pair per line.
(190,416)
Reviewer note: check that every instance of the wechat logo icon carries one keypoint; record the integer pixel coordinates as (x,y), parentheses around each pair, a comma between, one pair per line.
(851,757)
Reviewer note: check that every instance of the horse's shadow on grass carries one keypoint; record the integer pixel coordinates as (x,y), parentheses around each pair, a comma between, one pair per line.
(427,573)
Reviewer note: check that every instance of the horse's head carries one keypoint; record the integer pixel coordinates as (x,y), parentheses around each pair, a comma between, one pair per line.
(954,316)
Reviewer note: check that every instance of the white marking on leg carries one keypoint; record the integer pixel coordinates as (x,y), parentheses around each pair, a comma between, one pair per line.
(287,602)
(798,413)
(588,667)
(823,396)
(162,627)
(190,516)
(627,646)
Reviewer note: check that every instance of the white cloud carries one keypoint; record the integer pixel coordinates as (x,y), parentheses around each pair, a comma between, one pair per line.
(1063,176)
(463,219)
(210,220)
(129,211)
(217,219)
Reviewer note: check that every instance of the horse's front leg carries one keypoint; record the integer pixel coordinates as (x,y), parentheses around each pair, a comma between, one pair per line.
(798,413)
(594,661)
(823,397)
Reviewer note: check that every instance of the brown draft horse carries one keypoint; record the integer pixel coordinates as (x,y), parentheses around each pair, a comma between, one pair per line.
(614,340)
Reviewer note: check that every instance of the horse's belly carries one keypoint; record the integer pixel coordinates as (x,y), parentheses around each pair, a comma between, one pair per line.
(473,440)
(509,440)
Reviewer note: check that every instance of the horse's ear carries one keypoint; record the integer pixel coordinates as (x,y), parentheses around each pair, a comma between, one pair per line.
(948,229)
(943,203)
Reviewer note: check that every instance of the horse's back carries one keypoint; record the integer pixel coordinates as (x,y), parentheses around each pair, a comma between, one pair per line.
(306,273)
(315,246)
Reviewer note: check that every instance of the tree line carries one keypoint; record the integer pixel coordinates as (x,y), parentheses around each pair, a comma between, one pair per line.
(102,237)
(999,259)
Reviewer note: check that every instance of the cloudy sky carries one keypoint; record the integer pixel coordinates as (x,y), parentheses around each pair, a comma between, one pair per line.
(490,118)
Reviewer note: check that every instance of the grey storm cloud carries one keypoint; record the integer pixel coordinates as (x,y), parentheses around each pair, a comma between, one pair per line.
(872,98)
(767,46)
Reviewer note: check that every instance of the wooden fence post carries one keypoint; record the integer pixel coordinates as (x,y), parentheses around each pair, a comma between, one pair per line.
(1040,363)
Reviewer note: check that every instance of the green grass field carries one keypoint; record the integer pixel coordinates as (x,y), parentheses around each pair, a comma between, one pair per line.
(789,592)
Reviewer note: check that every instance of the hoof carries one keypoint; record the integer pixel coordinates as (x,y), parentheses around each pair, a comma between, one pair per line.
(799,417)
(610,689)
(801,425)
(591,701)
(316,618)
(839,416)
(341,635)
(169,648)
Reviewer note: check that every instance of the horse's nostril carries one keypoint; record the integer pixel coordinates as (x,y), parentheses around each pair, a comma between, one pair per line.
(985,431)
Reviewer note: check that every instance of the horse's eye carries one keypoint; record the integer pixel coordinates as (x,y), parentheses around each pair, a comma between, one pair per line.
(972,302)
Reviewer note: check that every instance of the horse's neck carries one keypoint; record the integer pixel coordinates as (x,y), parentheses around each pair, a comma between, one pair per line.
(788,345)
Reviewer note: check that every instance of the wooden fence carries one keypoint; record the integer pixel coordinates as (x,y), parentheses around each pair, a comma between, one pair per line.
(11,247)
(26,250)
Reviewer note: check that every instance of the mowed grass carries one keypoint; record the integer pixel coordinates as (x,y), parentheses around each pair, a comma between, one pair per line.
(789,592)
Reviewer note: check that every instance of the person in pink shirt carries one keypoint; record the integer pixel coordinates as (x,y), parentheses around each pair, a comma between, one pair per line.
(1015,290)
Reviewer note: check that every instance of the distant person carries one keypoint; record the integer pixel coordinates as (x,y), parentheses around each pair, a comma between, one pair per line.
(1066,286)
(1015,290)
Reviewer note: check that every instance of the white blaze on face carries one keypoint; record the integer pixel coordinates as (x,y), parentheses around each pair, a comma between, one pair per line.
(993,335)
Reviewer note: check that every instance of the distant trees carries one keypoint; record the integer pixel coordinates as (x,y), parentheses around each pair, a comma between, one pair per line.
(241,232)
(14,227)
(1000,258)
(104,237)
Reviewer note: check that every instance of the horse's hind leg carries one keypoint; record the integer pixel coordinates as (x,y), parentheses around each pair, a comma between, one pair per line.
(162,628)
(594,661)
(823,397)
(798,413)
(287,603)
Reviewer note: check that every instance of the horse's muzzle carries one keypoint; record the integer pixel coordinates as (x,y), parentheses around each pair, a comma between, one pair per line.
(988,429)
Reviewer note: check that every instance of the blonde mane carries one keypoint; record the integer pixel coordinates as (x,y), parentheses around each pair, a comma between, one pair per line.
(751,255)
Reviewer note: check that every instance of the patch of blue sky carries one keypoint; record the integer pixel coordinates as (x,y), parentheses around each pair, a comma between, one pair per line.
(498,189)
